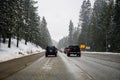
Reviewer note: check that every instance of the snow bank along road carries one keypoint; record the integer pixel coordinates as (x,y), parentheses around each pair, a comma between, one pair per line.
(88,67)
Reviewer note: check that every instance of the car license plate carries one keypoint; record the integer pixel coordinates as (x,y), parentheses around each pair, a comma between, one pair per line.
(50,50)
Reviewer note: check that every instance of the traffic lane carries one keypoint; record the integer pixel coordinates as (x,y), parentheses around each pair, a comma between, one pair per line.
(50,68)
(77,72)
(98,69)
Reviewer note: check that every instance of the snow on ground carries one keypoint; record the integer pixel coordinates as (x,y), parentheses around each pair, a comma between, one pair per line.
(101,52)
(14,52)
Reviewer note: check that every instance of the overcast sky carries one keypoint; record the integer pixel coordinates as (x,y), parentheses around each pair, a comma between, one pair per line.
(58,14)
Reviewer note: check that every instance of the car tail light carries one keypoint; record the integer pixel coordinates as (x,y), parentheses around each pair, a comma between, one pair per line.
(68,49)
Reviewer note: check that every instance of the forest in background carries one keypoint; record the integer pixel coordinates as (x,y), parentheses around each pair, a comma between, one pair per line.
(98,27)
(19,19)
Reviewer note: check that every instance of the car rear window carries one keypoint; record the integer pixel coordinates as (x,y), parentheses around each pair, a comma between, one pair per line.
(74,48)
(52,47)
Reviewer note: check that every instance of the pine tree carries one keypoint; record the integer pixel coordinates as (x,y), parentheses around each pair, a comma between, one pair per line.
(76,34)
(115,41)
(19,20)
(46,38)
(71,29)
(63,42)
(19,13)
(84,22)
(3,20)
(7,20)
(100,25)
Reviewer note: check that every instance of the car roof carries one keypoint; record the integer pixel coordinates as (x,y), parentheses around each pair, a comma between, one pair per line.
(73,46)
(51,46)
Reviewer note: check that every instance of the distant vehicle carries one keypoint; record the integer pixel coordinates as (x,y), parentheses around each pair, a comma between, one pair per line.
(51,50)
(66,50)
(74,50)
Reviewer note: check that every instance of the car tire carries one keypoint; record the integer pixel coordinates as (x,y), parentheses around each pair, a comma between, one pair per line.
(46,55)
(68,54)
(55,55)
(78,55)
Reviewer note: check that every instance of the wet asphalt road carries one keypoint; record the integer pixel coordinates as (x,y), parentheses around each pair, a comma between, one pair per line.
(50,68)
(69,68)
(98,69)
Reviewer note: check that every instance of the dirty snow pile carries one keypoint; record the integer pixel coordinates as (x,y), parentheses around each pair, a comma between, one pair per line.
(14,52)
(101,52)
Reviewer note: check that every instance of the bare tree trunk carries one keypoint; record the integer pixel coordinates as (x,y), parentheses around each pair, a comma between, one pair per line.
(9,42)
(17,41)
(25,41)
(4,39)
(0,39)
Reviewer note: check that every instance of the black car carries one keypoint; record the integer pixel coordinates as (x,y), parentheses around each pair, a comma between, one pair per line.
(74,50)
(51,50)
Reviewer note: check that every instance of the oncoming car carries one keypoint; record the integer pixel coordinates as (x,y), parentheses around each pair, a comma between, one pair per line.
(51,50)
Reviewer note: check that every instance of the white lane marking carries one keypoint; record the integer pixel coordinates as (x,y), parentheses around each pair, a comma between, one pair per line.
(47,66)
(89,77)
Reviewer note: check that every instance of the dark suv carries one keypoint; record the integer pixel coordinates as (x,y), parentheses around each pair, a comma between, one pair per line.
(51,50)
(74,50)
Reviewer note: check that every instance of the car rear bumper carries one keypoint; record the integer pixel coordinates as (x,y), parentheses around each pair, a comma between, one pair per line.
(74,53)
(51,53)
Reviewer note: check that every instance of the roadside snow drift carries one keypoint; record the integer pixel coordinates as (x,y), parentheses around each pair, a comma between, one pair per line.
(14,52)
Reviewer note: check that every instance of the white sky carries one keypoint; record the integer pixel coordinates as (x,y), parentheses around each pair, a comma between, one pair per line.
(58,14)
